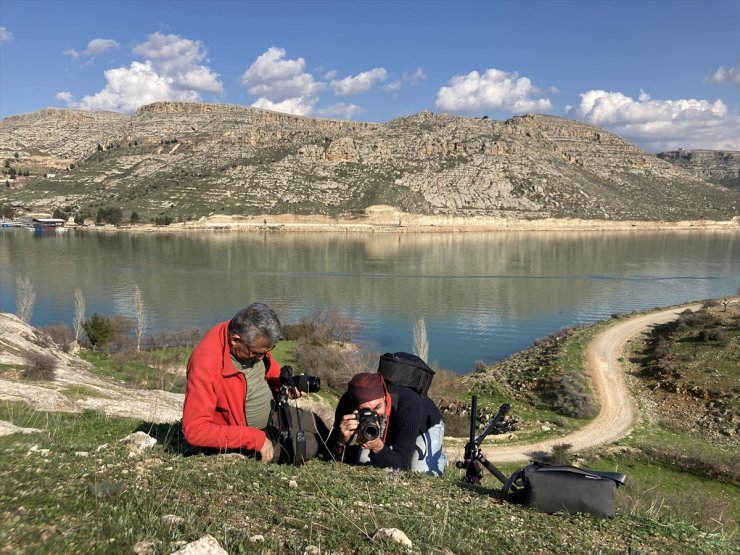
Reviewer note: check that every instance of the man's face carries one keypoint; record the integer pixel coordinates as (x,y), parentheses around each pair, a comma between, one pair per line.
(378,405)
(242,351)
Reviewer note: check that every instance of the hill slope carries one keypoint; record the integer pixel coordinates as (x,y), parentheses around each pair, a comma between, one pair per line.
(189,160)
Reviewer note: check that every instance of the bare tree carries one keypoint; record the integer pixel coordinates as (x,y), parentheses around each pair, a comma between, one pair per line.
(25,298)
(140,318)
(421,343)
(79,313)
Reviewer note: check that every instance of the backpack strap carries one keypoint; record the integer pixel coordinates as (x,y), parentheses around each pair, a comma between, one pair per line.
(393,392)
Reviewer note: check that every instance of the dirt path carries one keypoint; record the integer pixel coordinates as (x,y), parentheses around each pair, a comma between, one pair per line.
(616,416)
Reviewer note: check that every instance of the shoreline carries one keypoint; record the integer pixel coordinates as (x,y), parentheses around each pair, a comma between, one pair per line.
(390,221)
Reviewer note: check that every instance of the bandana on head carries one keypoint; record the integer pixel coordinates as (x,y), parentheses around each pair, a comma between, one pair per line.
(366,387)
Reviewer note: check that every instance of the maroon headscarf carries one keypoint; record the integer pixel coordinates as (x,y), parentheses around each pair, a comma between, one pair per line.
(366,387)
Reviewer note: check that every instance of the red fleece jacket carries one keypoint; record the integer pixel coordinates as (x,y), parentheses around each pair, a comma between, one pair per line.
(213,414)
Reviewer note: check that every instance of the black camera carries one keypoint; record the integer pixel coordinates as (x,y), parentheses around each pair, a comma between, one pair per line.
(302,382)
(369,427)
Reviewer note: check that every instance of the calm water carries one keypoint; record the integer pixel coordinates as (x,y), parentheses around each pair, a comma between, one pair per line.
(483,295)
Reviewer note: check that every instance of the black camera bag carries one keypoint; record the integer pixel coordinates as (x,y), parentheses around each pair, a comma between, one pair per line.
(407,370)
(563,488)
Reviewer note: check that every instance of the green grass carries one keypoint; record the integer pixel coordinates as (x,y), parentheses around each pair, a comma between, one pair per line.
(107,501)
(135,374)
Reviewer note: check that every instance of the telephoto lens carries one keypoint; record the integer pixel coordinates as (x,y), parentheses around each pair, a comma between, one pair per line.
(309,384)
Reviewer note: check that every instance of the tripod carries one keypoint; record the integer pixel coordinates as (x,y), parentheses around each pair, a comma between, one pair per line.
(475,461)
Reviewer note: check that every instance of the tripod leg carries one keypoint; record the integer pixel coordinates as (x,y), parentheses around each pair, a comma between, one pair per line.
(491,468)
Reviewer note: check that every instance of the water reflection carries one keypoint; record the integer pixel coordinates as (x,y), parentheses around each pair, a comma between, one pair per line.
(484,295)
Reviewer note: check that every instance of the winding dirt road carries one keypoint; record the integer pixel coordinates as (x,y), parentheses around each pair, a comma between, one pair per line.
(616,416)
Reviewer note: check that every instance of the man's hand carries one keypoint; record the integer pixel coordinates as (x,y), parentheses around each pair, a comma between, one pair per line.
(266,453)
(348,427)
(375,445)
(295,393)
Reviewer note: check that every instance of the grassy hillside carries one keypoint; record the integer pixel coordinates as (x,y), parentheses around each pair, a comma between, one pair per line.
(72,487)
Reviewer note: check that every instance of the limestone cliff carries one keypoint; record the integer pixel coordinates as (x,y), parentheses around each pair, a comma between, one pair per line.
(715,166)
(190,159)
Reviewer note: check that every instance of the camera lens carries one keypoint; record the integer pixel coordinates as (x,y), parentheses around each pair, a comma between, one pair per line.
(309,384)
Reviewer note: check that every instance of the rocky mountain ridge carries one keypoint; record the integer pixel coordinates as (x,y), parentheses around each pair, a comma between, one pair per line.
(721,167)
(189,160)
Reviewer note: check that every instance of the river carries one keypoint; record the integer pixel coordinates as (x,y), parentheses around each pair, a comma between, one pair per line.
(483,295)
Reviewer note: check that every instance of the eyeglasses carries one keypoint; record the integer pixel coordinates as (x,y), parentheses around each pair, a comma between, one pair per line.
(252,350)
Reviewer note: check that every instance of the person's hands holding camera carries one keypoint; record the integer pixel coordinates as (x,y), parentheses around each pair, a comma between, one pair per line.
(375,445)
(348,427)
(295,393)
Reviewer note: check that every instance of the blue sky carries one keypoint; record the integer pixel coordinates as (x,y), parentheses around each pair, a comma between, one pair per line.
(664,74)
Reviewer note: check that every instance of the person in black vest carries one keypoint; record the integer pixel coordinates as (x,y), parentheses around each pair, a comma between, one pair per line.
(410,432)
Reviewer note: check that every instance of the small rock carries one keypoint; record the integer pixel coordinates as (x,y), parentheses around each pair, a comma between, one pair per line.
(38,450)
(311,550)
(145,547)
(138,441)
(393,534)
(82,453)
(293,484)
(257,538)
(207,545)
(173,519)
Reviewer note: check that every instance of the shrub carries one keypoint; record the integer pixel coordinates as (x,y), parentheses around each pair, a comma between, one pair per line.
(294,332)
(715,335)
(566,395)
(41,366)
(335,366)
(120,334)
(326,326)
(61,334)
(98,329)
(561,453)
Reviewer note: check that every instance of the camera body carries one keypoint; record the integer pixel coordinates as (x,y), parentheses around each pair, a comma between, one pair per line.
(369,427)
(302,382)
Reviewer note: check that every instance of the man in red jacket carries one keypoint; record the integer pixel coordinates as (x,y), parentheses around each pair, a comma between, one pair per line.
(230,380)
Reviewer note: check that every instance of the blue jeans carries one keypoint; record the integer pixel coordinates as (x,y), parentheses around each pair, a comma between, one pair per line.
(429,456)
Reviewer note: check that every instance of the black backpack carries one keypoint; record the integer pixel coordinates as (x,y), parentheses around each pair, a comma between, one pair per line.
(407,370)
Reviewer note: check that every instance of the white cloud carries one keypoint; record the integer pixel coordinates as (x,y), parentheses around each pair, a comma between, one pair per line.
(129,88)
(329,75)
(300,106)
(726,76)
(181,60)
(65,96)
(172,70)
(493,90)
(414,78)
(658,125)
(360,83)
(341,110)
(94,48)
(5,35)
(281,84)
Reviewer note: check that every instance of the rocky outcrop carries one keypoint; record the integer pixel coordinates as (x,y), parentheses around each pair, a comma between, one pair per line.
(715,166)
(188,160)
(74,388)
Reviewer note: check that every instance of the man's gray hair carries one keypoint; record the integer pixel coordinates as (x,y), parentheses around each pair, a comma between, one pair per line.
(255,321)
